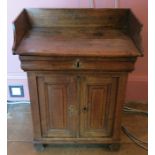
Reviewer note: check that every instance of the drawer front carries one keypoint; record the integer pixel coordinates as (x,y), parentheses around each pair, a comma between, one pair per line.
(122,64)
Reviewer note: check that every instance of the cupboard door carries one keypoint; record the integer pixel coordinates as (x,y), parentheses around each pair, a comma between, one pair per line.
(58,107)
(98,97)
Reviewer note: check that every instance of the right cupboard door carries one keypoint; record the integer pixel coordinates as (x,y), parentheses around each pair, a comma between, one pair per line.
(97,105)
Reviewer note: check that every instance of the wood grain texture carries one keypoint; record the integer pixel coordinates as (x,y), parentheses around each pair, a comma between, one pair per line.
(57,98)
(135,28)
(81,140)
(120,100)
(78,17)
(77,61)
(55,32)
(94,42)
(97,94)
(37,133)
(21,26)
(84,64)
(56,94)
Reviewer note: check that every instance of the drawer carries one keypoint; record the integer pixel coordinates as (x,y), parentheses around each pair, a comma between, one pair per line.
(104,64)
(45,63)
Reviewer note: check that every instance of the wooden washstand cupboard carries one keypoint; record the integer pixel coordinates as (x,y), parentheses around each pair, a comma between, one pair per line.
(77,62)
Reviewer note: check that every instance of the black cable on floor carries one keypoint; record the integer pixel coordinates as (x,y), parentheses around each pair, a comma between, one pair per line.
(136,111)
(136,140)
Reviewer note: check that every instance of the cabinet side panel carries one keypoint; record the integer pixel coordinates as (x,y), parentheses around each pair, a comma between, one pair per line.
(34,105)
(120,99)
(21,26)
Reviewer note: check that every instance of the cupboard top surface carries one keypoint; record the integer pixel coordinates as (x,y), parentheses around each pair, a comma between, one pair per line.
(77,32)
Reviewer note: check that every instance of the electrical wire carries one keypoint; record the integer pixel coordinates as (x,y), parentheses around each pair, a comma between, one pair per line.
(132,110)
(134,138)
(18,102)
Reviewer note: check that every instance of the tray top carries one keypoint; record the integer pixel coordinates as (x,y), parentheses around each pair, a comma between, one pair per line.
(73,40)
(77,42)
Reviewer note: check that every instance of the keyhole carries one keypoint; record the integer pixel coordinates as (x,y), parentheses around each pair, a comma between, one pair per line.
(85,109)
(77,64)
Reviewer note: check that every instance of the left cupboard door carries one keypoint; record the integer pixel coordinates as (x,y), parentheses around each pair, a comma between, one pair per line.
(58,105)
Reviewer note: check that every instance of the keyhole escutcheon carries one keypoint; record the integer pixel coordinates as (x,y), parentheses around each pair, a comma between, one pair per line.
(77,63)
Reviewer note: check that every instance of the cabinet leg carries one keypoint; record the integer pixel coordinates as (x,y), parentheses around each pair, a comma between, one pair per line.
(114,147)
(39,147)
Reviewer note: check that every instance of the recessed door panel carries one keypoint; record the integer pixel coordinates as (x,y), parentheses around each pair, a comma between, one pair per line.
(57,99)
(97,106)
(58,106)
